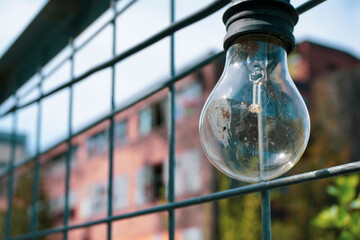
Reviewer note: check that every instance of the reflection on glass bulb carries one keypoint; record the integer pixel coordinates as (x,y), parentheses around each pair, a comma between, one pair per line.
(255,125)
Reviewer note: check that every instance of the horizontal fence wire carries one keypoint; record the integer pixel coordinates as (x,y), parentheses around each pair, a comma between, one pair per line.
(308,5)
(169,31)
(258,187)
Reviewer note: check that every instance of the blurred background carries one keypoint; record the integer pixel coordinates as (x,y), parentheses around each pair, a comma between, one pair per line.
(325,67)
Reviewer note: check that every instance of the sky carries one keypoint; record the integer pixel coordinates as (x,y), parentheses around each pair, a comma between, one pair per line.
(334,23)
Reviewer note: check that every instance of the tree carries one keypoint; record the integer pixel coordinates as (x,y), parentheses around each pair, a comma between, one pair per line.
(22,205)
(238,217)
(343,217)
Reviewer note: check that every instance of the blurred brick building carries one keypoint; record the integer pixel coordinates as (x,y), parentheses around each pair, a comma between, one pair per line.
(140,167)
(141,155)
(310,61)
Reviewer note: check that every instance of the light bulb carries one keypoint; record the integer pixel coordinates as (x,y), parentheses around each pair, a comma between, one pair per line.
(255,125)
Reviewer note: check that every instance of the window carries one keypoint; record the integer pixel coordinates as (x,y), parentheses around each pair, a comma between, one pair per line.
(95,198)
(152,117)
(98,144)
(99,199)
(157,190)
(150,184)
(141,185)
(94,201)
(158,111)
(188,172)
(188,99)
(120,133)
(120,192)
(57,206)
(56,165)
(193,233)
(145,121)
(6,140)
(74,158)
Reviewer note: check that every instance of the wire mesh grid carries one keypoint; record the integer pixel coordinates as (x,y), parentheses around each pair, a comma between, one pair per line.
(172,205)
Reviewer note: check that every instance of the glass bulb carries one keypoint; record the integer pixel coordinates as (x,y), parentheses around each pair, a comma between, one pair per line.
(255,125)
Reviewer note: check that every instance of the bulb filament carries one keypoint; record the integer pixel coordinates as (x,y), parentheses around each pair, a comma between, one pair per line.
(257,76)
(255,107)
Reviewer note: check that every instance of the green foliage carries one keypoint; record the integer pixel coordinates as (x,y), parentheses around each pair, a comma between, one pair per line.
(333,141)
(22,205)
(342,218)
(2,224)
(239,217)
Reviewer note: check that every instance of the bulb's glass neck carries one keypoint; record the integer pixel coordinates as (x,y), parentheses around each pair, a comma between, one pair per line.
(261,54)
(259,38)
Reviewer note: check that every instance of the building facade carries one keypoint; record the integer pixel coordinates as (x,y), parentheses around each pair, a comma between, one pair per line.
(140,168)
(140,164)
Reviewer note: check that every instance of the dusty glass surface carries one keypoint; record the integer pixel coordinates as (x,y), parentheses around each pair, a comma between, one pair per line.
(255,125)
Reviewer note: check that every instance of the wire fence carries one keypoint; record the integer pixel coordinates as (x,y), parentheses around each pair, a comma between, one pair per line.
(172,205)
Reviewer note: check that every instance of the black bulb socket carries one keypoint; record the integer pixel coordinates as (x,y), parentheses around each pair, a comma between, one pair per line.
(266,17)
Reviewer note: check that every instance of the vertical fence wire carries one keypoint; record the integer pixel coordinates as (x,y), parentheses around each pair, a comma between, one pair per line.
(265,215)
(36,181)
(112,123)
(69,144)
(10,184)
(172,92)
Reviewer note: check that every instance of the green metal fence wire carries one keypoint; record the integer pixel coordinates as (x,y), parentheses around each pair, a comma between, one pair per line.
(172,205)
(112,123)
(272,184)
(171,186)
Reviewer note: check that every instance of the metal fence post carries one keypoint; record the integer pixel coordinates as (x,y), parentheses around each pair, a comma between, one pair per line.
(36,183)
(69,144)
(266,215)
(10,184)
(112,123)
(172,105)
